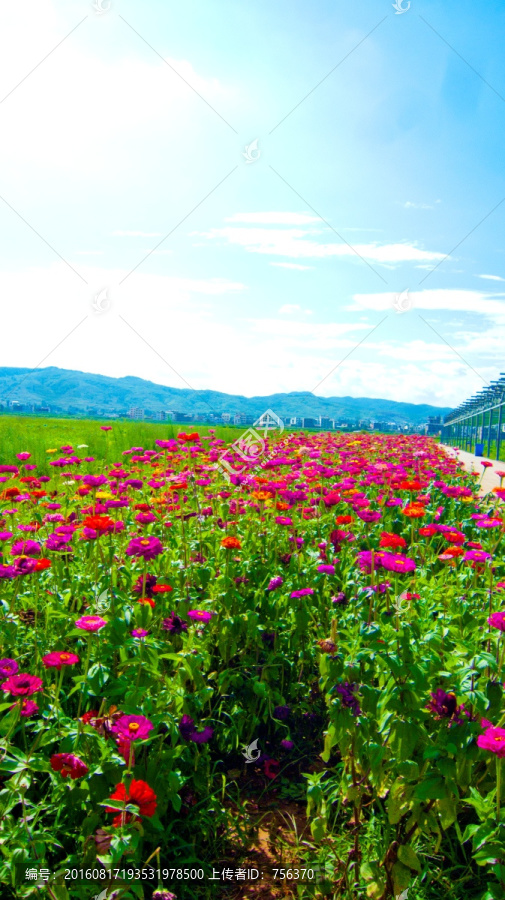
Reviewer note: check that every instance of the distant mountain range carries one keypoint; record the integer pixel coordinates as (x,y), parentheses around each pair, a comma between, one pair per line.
(81,393)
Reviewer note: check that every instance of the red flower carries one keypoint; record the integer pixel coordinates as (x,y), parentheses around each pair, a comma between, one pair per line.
(161,589)
(271,768)
(231,543)
(100,524)
(139,794)
(42,564)
(392,540)
(68,764)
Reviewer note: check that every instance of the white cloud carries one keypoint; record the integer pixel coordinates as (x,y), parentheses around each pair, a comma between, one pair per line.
(83,111)
(410,205)
(491,277)
(475,302)
(296,242)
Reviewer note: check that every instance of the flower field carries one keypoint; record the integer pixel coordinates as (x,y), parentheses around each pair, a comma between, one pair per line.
(320,632)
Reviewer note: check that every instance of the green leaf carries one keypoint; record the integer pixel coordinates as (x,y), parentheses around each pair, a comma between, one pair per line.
(409,858)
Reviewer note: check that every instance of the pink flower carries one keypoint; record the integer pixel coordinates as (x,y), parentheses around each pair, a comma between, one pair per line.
(59,658)
(22,685)
(493,739)
(200,615)
(133,728)
(497,620)
(28,708)
(90,623)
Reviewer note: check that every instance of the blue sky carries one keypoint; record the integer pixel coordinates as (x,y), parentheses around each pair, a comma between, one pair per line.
(356,249)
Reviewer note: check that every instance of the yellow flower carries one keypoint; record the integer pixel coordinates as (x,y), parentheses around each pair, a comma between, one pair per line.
(53,450)
(104,495)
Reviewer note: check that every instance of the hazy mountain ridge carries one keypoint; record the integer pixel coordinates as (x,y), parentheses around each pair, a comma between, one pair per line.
(66,390)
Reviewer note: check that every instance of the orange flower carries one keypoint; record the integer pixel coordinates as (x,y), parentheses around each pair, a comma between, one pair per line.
(453,551)
(281,506)
(414,511)
(231,543)
(261,495)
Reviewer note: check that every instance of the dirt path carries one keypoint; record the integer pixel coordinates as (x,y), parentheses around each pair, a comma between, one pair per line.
(473,463)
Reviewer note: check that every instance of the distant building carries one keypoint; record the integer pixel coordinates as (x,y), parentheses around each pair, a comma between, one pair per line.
(296,421)
(182,417)
(225,417)
(135,412)
(434,425)
(310,423)
(326,423)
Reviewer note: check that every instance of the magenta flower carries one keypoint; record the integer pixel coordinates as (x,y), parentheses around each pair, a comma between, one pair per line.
(22,685)
(283,520)
(497,620)
(395,562)
(326,569)
(274,583)
(303,592)
(28,708)
(8,667)
(147,548)
(94,481)
(493,739)
(26,548)
(59,543)
(134,728)
(200,615)
(5,535)
(59,658)
(90,623)
(477,556)
(139,633)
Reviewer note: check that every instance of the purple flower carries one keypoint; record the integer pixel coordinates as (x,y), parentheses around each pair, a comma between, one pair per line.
(275,583)
(151,581)
(147,548)
(445,706)
(175,624)
(202,737)
(287,744)
(94,480)
(186,727)
(282,713)
(303,592)
(8,667)
(5,535)
(340,599)
(7,572)
(24,565)
(346,691)
(326,569)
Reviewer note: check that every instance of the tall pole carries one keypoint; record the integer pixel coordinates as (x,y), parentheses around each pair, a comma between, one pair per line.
(498,433)
(489,432)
